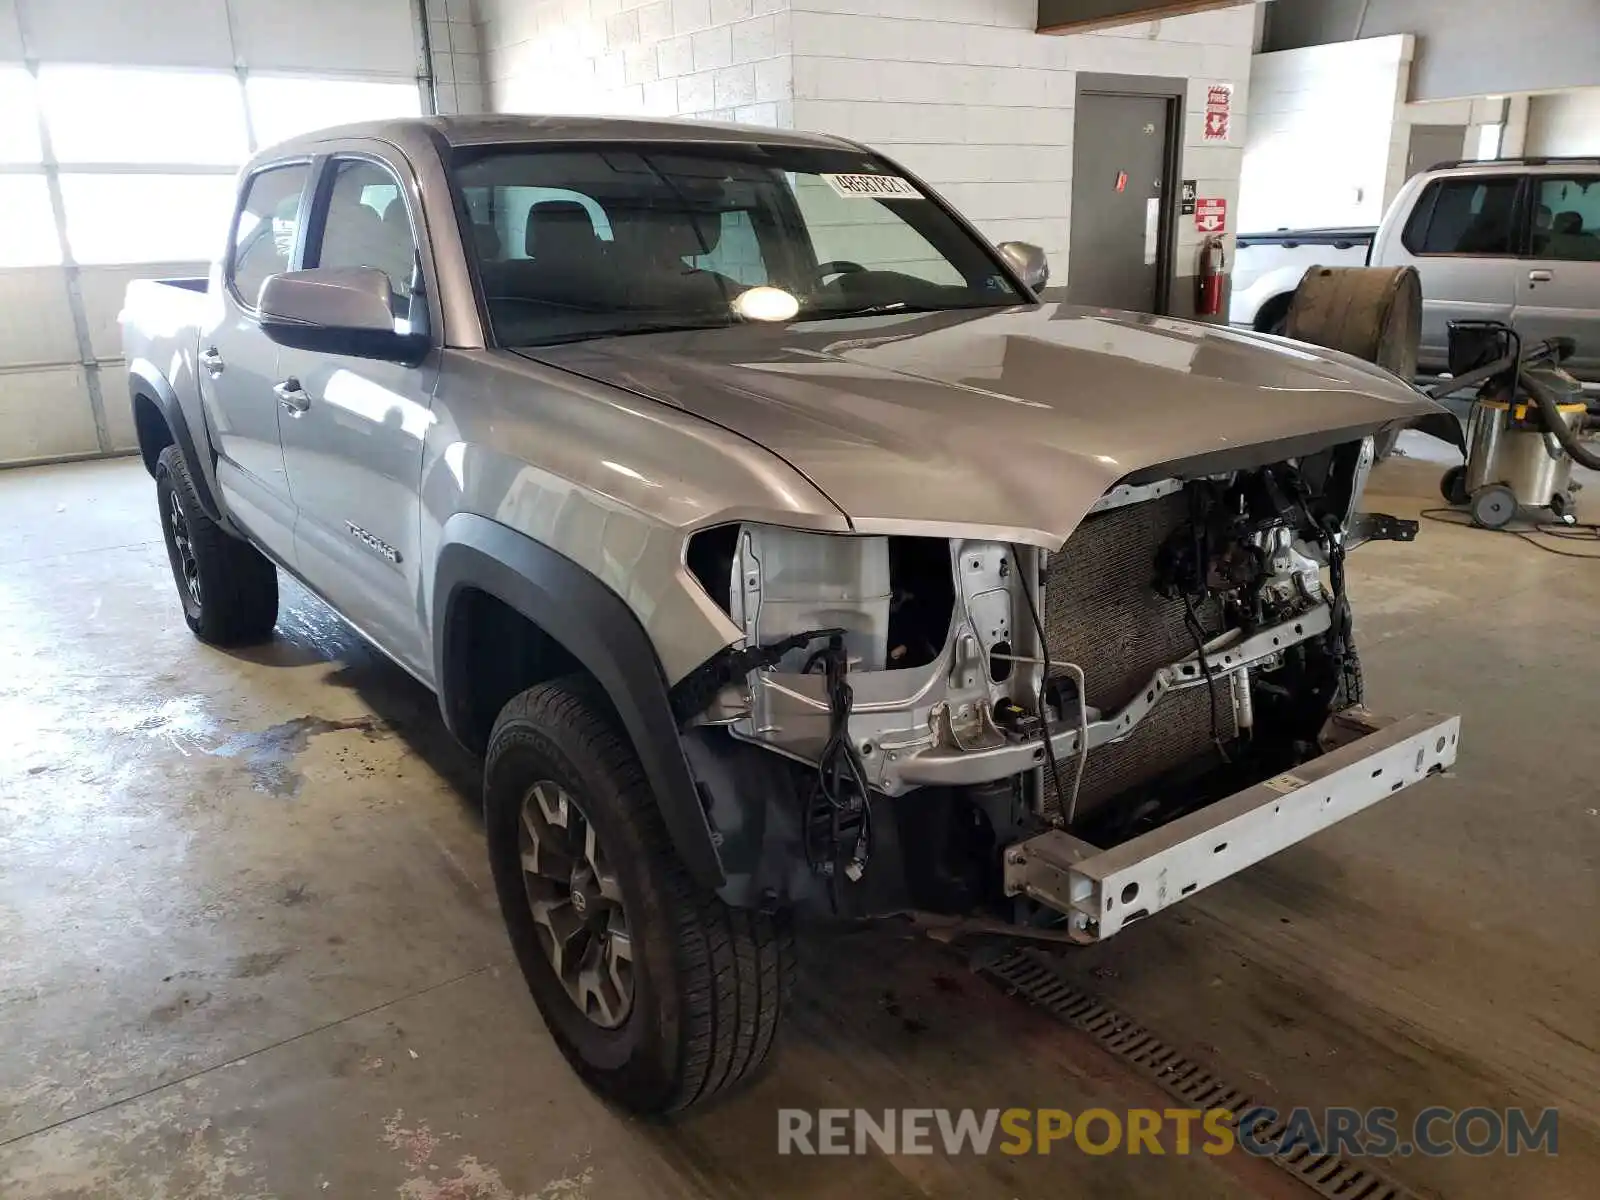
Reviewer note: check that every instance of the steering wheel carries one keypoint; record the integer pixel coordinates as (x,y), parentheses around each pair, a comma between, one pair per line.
(839,266)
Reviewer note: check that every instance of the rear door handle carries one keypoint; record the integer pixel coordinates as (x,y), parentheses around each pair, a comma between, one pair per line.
(211,360)
(292,396)
(1541,276)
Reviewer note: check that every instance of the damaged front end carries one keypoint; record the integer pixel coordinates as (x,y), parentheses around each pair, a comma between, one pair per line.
(964,726)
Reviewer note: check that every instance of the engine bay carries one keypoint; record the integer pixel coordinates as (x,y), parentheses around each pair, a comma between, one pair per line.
(923,703)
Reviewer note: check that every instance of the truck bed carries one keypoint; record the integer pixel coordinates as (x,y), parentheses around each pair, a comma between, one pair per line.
(1339,237)
(162,317)
(1269,266)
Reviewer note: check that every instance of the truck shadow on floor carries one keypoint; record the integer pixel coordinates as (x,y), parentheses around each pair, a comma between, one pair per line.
(310,633)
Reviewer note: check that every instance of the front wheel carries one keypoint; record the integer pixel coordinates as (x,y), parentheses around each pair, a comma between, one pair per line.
(658,994)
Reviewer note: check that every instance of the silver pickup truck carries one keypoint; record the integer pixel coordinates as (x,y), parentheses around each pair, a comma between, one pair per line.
(779,550)
(1514,240)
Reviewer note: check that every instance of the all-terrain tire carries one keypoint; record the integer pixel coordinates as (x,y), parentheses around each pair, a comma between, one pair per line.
(228,588)
(710,982)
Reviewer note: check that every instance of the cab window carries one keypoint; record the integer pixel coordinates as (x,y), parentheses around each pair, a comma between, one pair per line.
(364,223)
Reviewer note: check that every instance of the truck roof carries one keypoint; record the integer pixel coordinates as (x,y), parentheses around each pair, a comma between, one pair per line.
(418,133)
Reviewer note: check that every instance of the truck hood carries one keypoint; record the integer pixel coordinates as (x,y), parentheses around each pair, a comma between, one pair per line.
(1006,423)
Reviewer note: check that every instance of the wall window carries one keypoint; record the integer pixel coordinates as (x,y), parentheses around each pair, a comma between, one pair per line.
(135,115)
(284,106)
(19,118)
(27,225)
(1566,218)
(263,236)
(115,218)
(1464,216)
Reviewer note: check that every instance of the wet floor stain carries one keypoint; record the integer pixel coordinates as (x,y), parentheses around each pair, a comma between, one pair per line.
(183,722)
(269,755)
(254,966)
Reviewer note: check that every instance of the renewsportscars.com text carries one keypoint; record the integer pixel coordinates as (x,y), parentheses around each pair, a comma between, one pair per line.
(1259,1131)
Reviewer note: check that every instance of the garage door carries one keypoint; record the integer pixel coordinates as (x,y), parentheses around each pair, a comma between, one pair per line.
(121,127)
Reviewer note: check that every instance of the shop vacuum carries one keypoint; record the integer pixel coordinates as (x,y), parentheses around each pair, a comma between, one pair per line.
(1525,429)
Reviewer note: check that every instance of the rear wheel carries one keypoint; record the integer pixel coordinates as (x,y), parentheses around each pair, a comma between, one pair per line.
(1453,486)
(658,994)
(1274,316)
(228,588)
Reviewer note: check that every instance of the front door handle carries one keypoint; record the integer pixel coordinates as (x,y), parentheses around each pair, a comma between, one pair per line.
(292,396)
(211,360)
(1541,276)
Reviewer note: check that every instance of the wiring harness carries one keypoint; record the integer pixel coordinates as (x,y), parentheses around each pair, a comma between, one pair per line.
(841,812)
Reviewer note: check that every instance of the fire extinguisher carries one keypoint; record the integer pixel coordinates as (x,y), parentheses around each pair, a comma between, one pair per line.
(1213,270)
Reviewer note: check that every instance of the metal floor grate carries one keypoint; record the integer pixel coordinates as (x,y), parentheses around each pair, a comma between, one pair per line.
(1030,974)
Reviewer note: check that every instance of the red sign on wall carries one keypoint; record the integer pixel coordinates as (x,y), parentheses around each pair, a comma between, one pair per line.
(1219,105)
(1211,214)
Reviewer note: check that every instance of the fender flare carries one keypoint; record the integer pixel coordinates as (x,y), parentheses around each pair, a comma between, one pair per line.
(144,379)
(593,624)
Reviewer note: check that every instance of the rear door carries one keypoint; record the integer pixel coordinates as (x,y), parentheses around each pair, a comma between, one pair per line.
(238,364)
(1462,239)
(353,427)
(1558,289)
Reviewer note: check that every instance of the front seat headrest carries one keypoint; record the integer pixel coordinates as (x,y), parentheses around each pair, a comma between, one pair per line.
(553,222)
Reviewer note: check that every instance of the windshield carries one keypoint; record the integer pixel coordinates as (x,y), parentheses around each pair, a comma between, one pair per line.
(580,243)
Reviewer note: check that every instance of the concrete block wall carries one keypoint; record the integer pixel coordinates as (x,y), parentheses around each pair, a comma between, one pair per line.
(968,96)
(1565,123)
(964,92)
(1327,134)
(725,60)
(457,56)
(1480,115)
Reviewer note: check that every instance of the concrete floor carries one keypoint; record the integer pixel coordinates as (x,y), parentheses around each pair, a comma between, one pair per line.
(248,946)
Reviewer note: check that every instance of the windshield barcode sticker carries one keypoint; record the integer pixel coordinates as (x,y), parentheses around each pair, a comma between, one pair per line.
(873,187)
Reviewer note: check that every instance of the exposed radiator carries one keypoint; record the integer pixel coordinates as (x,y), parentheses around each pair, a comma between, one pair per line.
(1101,612)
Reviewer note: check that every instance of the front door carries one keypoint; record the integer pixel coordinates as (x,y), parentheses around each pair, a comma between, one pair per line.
(1119,188)
(1558,292)
(353,427)
(238,364)
(1462,239)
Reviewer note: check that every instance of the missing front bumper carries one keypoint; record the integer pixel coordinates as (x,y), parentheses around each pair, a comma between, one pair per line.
(1101,891)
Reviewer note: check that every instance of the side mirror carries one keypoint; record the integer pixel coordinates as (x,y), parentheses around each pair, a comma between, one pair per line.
(337,310)
(1027,260)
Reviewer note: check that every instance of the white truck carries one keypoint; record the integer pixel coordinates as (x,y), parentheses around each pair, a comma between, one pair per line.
(1515,240)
